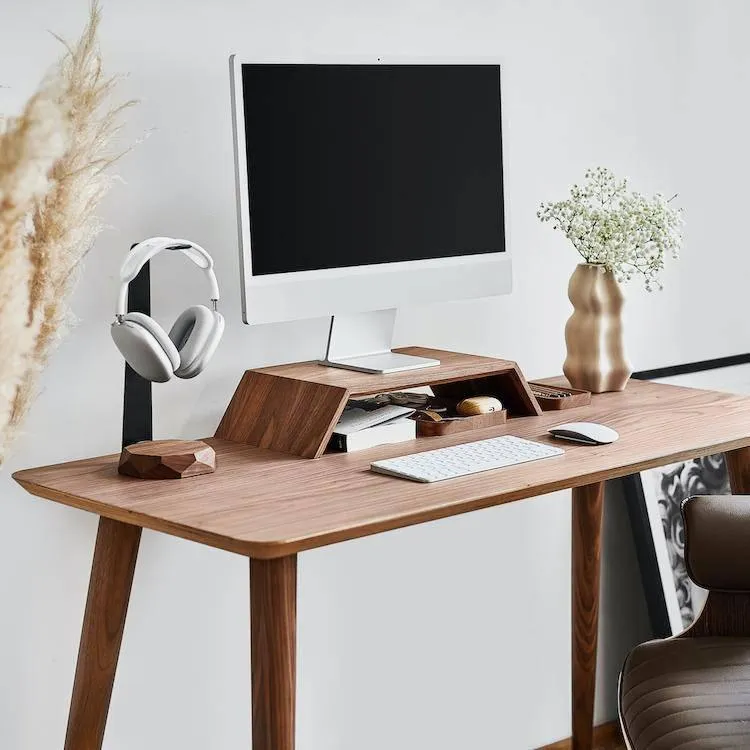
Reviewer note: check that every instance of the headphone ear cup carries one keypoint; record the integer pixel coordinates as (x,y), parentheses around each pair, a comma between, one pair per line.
(196,334)
(216,334)
(146,347)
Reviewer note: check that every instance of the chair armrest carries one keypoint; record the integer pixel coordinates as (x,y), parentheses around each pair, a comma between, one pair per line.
(717,541)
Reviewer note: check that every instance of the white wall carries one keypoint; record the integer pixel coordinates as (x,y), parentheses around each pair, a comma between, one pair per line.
(452,634)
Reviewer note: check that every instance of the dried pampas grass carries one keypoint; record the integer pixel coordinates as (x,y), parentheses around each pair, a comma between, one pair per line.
(53,162)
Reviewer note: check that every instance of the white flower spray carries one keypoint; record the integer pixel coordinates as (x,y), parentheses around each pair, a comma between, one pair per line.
(621,230)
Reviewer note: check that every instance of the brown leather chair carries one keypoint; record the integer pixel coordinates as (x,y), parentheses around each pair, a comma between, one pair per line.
(692,691)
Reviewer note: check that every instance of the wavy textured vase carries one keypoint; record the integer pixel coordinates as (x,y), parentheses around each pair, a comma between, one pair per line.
(596,358)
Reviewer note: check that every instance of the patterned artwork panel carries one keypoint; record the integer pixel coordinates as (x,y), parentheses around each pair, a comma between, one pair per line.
(666,488)
(654,499)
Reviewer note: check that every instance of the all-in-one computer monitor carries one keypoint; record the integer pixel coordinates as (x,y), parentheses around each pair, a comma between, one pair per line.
(364,187)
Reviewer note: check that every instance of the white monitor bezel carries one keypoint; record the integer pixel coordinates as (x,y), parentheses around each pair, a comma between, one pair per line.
(318,293)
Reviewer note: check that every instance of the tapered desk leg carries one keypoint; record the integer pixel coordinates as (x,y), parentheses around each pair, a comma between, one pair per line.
(586,553)
(738,464)
(103,623)
(273,648)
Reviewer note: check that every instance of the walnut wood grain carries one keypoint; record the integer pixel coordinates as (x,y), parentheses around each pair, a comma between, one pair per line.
(426,428)
(453,366)
(738,466)
(294,408)
(283,414)
(571,400)
(273,644)
(167,459)
(586,557)
(606,737)
(509,386)
(266,504)
(111,579)
(723,614)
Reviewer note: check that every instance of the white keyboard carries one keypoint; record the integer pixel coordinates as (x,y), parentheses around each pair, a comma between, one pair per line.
(467,458)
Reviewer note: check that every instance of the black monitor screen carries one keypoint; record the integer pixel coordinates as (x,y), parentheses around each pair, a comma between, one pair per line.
(350,165)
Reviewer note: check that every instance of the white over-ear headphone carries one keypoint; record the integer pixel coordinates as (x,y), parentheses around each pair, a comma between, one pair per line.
(187,348)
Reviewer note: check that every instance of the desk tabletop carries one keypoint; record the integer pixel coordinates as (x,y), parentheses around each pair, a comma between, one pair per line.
(266,504)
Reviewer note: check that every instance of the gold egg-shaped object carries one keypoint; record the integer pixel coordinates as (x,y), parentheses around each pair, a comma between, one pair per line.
(470,407)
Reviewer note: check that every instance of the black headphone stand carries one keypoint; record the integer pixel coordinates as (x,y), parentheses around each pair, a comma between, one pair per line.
(137,411)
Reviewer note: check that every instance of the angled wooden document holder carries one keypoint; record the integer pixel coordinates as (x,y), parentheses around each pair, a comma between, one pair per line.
(294,408)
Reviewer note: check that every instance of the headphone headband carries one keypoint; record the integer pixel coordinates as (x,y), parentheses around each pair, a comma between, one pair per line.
(144,251)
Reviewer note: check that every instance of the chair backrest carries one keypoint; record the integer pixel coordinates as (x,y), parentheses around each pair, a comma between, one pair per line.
(717,541)
(662,680)
(717,557)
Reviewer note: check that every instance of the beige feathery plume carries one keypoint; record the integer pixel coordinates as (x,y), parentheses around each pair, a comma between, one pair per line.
(53,158)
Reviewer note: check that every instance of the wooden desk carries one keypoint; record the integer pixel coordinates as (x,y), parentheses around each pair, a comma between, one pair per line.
(270,506)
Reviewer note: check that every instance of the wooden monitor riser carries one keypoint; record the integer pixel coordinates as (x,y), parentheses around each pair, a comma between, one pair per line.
(271,504)
(294,408)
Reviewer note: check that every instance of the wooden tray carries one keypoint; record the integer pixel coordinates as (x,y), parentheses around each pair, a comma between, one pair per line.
(573,399)
(449,427)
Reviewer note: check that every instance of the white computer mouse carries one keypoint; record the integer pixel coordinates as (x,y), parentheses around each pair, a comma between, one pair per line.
(584,432)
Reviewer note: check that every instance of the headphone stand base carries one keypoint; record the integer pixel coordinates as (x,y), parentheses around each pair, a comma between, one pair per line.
(167,459)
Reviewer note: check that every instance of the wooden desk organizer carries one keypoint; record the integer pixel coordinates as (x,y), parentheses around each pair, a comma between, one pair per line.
(294,408)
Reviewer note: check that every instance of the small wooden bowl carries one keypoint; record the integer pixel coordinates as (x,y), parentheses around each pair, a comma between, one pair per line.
(167,459)
(570,400)
(426,428)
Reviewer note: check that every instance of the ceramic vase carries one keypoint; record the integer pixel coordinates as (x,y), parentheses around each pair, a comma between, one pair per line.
(596,359)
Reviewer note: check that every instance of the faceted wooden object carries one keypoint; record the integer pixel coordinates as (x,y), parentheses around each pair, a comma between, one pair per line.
(167,459)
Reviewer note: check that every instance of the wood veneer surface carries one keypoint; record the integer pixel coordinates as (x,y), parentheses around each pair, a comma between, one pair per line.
(112,571)
(273,641)
(606,737)
(282,414)
(588,503)
(453,366)
(294,408)
(266,504)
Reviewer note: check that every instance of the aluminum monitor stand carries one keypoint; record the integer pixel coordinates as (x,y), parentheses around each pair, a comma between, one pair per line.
(362,341)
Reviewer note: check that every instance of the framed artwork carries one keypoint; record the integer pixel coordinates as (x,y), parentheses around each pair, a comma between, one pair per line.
(654,497)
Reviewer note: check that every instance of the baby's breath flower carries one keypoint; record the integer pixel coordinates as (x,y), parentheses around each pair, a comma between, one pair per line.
(619,229)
